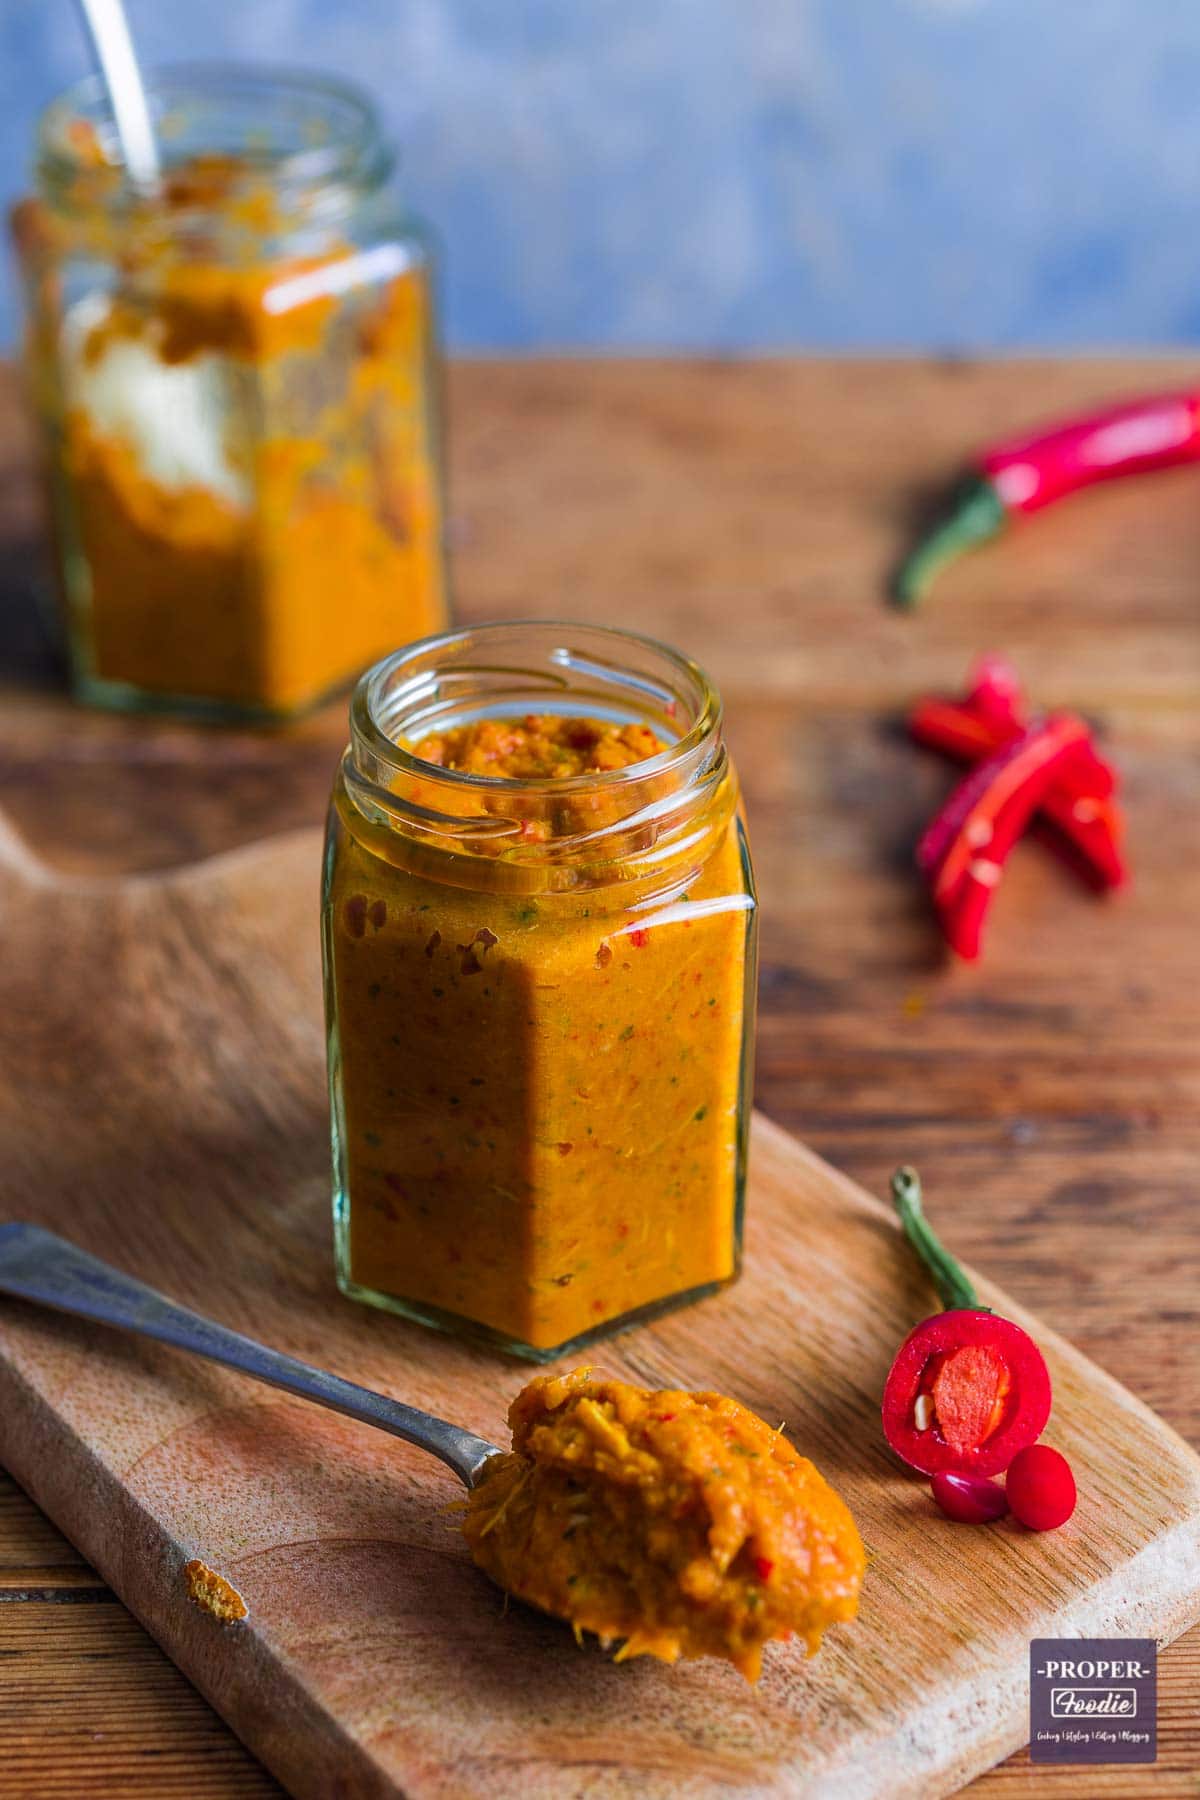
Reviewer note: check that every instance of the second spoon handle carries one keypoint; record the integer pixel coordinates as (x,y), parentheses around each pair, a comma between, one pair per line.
(108,29)
(36,1265)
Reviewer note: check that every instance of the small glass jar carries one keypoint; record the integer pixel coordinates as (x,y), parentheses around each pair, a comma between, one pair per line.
(233,374)
(539,997)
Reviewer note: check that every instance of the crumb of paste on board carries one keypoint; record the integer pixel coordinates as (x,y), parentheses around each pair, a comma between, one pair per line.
(213,1593)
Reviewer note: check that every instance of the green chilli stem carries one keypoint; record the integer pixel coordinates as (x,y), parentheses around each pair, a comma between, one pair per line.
(978,514)
(949,1276)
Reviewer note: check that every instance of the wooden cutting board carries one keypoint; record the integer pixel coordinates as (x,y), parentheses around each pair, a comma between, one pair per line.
(162,1102)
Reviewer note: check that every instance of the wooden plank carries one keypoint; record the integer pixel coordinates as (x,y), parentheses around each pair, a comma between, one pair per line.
(88,1702)
(747,511)
(181,1017)
(77,1668)
(89,1705)
(1173,1776)
(48,1582)
(750,513)
(29,1541)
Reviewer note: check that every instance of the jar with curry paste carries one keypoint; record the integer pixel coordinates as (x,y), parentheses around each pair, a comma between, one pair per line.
(233,375)
(539,942)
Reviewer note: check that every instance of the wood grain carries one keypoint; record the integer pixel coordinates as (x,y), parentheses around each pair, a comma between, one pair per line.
(84,1661)
(750,512)
(162,1100)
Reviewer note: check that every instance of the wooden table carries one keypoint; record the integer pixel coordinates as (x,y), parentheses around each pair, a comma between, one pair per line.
(749,512)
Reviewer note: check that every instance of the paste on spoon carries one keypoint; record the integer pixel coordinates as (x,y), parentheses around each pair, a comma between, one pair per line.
(678,1524)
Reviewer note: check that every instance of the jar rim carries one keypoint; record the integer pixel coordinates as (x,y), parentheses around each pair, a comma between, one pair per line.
(353,152)
(641,820)
(367,705)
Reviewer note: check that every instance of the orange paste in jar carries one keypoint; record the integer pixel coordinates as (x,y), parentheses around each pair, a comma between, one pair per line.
(541,1093)
(539,747)
(679,1524)
(287,531)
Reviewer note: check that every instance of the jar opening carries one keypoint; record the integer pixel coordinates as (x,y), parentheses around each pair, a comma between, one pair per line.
(593,826)
(296,132)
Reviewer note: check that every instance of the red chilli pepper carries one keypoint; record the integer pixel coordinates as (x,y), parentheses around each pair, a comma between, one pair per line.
(964,849)
(1024,474)
(996,694)
(1078,816)
(968,1389)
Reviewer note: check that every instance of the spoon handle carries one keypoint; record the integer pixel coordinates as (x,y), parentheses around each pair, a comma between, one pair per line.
(36,1265)
(108,28)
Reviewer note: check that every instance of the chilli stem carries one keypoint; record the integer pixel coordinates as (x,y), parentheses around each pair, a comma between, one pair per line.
(978,514)
(954,1289)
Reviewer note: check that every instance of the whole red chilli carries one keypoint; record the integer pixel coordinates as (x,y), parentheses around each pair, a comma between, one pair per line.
(1025,473)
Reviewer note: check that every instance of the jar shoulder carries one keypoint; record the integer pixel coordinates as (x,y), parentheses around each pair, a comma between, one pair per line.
(366,894)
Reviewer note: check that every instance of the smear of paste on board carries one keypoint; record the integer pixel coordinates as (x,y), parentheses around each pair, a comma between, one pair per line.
(213,1593)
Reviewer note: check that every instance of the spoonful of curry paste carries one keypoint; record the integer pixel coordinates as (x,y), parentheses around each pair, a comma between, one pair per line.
(674,1524)
(677,1524)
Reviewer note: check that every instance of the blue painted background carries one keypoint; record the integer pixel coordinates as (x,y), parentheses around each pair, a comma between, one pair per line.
(692,173)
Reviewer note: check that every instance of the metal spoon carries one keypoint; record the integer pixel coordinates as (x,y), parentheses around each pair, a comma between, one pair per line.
(36,1265)
(108,29)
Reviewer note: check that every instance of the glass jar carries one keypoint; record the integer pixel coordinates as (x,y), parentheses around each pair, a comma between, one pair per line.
(539,997)
(233,374)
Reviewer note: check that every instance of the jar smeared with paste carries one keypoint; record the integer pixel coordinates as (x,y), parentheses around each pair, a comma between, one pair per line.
(539,950)
(674,1524)
(233,373)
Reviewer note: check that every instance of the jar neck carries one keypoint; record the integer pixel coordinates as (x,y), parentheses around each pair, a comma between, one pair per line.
(253,160)
(647,824)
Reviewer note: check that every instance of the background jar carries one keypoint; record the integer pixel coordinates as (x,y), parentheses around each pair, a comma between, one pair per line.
(234,375)
(540,998)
